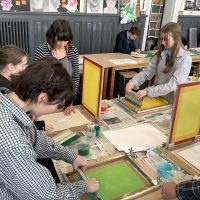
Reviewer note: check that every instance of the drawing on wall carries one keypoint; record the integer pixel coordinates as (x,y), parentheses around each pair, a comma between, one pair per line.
(94,6)
(53,5)
(110,6)
(44,5)
(129,11)
(6,5)
(72,6)
(39,5)
(192,5)
(18,5)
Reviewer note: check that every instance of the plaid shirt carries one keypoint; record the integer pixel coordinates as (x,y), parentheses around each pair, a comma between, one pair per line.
(21,177)
(188,190)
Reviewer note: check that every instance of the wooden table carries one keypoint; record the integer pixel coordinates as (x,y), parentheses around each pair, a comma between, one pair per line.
(104,60)
(155,195)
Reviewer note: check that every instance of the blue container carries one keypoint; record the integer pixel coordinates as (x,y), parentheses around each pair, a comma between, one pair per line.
(164,170)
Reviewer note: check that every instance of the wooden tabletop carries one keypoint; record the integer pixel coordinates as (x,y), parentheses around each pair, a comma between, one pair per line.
(104,58)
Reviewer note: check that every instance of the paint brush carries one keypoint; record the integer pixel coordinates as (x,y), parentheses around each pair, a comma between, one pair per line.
(84,177)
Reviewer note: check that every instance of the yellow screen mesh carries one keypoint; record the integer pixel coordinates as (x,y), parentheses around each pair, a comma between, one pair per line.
(91,89)
(187,114)
(148,103)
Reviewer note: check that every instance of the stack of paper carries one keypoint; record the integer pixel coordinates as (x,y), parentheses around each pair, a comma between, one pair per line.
(191,154)
(122,61)
(139,137)
(60,121)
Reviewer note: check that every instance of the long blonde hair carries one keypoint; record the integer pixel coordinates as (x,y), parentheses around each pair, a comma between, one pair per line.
(175,31)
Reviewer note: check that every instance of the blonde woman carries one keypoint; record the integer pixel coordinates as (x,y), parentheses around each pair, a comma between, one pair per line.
(171,66)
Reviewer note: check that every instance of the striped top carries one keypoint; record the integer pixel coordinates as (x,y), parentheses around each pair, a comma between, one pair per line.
(44,51)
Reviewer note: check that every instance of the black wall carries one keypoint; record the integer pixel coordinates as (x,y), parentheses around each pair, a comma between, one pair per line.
(189,21)
(92,33)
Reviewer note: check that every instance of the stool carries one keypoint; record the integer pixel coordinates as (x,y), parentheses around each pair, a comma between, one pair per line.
(124,77)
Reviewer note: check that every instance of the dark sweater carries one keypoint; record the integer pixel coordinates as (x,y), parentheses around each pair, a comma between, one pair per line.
(123,44)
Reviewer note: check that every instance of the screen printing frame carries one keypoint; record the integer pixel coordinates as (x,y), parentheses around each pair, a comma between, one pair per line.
(184,110)
(127,104)
(93,75)
(150,183)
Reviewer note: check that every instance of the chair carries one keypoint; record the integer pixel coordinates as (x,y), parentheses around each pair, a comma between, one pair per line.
(192,37)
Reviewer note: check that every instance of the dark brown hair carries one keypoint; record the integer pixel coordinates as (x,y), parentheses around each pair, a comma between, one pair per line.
(59,30)
(44,75)
(175,31)
(134,31)
(11,55)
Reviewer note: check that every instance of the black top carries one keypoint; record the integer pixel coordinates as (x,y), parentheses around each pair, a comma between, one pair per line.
(4,82)
(184,41)
(123,44)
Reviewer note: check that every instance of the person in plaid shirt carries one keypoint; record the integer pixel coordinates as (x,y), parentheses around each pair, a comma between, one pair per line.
(188,190)
(37,90)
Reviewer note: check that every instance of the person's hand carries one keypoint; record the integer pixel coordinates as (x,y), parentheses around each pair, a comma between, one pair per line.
(129,86)
(134,53)
(33,117)
(69,110)
(92,185)
(138,51)
(140,94)
(79,162)
(48,126)
(168,190)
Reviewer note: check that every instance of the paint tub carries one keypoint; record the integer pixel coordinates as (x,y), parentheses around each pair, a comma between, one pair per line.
(165,170)
(83,149)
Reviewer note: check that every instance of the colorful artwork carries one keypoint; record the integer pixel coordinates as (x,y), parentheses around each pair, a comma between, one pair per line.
(9,5)
(72,6)
(110,6)
(129,11)
(94,6)
(6,5)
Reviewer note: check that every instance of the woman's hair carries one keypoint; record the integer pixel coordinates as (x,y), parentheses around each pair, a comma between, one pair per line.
(59,30)
(175,30)
(44,75)
(11,55)
(134,31)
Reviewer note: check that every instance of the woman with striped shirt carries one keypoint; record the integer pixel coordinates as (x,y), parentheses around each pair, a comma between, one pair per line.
(59,37)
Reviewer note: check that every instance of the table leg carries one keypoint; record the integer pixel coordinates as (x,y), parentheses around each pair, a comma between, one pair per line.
(105,83)
(112,83)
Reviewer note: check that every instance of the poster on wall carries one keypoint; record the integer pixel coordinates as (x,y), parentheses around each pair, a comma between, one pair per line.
(54,6)
(15,5)
(129,11)
(110,6)
(192,5)
(94,6)
(70,6)
(44,5)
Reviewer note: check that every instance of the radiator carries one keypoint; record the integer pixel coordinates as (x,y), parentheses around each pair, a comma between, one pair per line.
(14,32)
